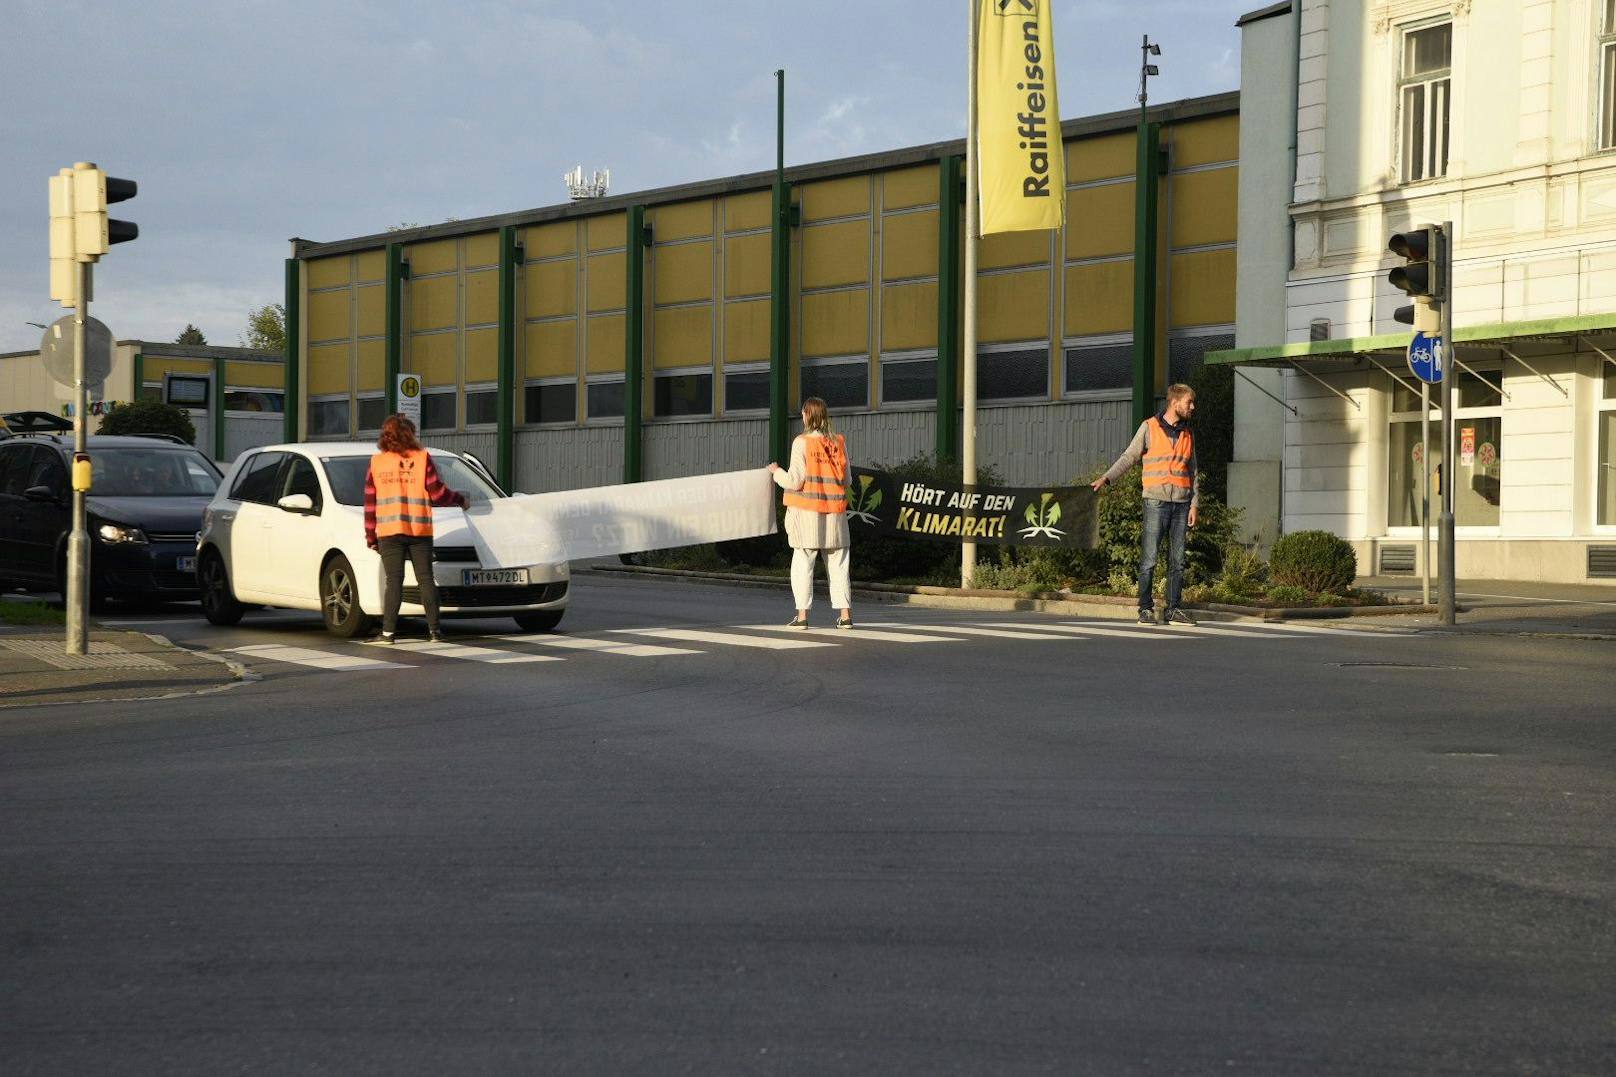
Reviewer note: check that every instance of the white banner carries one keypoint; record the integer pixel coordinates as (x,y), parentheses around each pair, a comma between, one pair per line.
(574,525)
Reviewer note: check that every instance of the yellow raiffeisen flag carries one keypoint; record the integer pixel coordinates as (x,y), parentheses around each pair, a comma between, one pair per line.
(1021,171)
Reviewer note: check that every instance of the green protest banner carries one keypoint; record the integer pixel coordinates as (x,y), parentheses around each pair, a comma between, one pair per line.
(882,504)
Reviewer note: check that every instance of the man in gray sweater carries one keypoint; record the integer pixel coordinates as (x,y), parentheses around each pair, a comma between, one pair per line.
(1166,445)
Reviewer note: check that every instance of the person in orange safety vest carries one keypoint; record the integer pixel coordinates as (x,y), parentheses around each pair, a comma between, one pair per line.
(1166,445)
(815,488)
(400,489)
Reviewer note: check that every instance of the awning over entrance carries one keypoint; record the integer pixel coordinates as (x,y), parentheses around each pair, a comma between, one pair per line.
(1590,332)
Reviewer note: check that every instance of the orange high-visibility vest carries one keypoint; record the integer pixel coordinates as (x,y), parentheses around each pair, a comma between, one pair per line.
(402,506)
(1167,459)
(823,488)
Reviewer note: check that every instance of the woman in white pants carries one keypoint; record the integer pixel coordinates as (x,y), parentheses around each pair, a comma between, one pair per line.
(815,488)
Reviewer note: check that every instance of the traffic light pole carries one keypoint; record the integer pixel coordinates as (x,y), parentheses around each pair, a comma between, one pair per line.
(1450,460)
(77,598)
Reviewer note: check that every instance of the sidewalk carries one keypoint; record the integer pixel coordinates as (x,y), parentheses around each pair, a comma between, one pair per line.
(1514,607)
(34,669)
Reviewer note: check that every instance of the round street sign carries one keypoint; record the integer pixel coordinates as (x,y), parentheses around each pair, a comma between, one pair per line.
(1425,357)
(56,349)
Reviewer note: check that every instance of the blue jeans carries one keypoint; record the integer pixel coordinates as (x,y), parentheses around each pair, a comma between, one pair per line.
(1173,518)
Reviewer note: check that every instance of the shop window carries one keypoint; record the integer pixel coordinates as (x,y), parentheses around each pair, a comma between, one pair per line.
(1479,433)
(604,399)
(482,406)
(1100,368)
(551,401)
(1605,492)
(681,395)
(1019,374)
(909,380)
(438,410)
(1424,90)
(840,383)
(746,390)
(328,418)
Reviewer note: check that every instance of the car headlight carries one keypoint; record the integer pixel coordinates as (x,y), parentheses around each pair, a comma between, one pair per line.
(117,533)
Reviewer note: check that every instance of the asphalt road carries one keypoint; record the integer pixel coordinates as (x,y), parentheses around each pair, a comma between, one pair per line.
(1148,852)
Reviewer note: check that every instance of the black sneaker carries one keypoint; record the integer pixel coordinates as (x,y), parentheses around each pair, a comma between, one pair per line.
(434,636)
(1147,617)
(1176,616)
(386,638)
(797,622)
(845,622)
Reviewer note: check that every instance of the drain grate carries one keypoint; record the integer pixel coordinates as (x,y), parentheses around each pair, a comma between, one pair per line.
(101,656)
(1394,665)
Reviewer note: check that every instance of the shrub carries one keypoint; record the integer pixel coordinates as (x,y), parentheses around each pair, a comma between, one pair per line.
(1287,595)
(148,417)
(1315,561)
(1244,575)
(1028,569)
(1122,531)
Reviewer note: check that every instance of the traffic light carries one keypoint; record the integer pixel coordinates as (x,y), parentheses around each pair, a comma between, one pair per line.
(64,270)
(93,231)
(1420,277)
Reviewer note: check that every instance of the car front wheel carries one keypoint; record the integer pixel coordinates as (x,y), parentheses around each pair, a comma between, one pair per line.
(542,621)
(219,604)
(339,600)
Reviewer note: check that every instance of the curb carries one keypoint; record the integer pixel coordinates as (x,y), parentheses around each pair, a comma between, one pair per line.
(239,675)
(1117,607)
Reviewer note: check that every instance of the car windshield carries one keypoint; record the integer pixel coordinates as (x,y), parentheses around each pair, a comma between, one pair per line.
(347,476)
(154,472)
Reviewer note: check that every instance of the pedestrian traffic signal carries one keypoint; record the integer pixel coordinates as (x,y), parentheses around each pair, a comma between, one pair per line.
(93,231)
(64,268)
(1420,276)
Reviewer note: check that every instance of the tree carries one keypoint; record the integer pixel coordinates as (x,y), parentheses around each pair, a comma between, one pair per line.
(266,328)
(148,417)
(190,335)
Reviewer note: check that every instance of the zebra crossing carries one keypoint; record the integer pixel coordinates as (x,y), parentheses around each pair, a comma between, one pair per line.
(682,641)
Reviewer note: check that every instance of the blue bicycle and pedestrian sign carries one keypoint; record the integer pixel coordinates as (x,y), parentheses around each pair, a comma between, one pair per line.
(1426,356)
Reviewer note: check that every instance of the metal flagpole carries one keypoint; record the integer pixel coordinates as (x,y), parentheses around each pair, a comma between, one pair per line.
(968,346)
(1425,493)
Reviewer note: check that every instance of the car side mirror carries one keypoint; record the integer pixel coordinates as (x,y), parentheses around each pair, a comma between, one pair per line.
(42,493)
(297,503)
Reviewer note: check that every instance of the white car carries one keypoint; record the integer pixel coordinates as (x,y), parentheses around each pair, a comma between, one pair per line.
(287,528)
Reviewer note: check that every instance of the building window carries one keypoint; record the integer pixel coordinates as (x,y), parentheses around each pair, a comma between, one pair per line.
(908,379)
(549,402)
(840,383)
(482,405)
(152,391)
(680,394)
(1186,354)
(1607,77)
(1479,432)
(1100,368)
(256,401)
(328,417)
(604,399)
(438,410)
(372,410)
(1014,374)
(1425,88)
(746,389)
(1606,486)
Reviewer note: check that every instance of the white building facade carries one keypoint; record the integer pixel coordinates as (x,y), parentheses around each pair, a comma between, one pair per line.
(1498,116)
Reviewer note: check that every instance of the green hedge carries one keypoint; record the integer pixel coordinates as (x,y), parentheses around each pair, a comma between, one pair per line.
(1315,561)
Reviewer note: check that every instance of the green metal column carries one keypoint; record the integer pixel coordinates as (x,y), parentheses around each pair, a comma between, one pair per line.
(291,376)
(780,291)
(1144,271)
(510,260)
(634,350)
(950,196)
(218,408)
(139,377)
(396,271)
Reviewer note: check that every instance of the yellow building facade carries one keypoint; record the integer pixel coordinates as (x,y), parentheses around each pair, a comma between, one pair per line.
(546,295)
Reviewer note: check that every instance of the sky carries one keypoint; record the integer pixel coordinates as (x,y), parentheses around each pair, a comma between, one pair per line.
(248,122)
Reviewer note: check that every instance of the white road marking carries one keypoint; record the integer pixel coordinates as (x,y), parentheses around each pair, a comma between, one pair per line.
(969,630)
(1142,632)
(303,656)
(695,635)
(858,631)
(471,654)
(604,646)
(1319,630)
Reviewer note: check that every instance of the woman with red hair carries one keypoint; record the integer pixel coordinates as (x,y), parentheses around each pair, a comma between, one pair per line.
(400,489)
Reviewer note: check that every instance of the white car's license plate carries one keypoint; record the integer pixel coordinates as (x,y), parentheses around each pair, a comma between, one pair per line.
(185,564)
(483,577)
